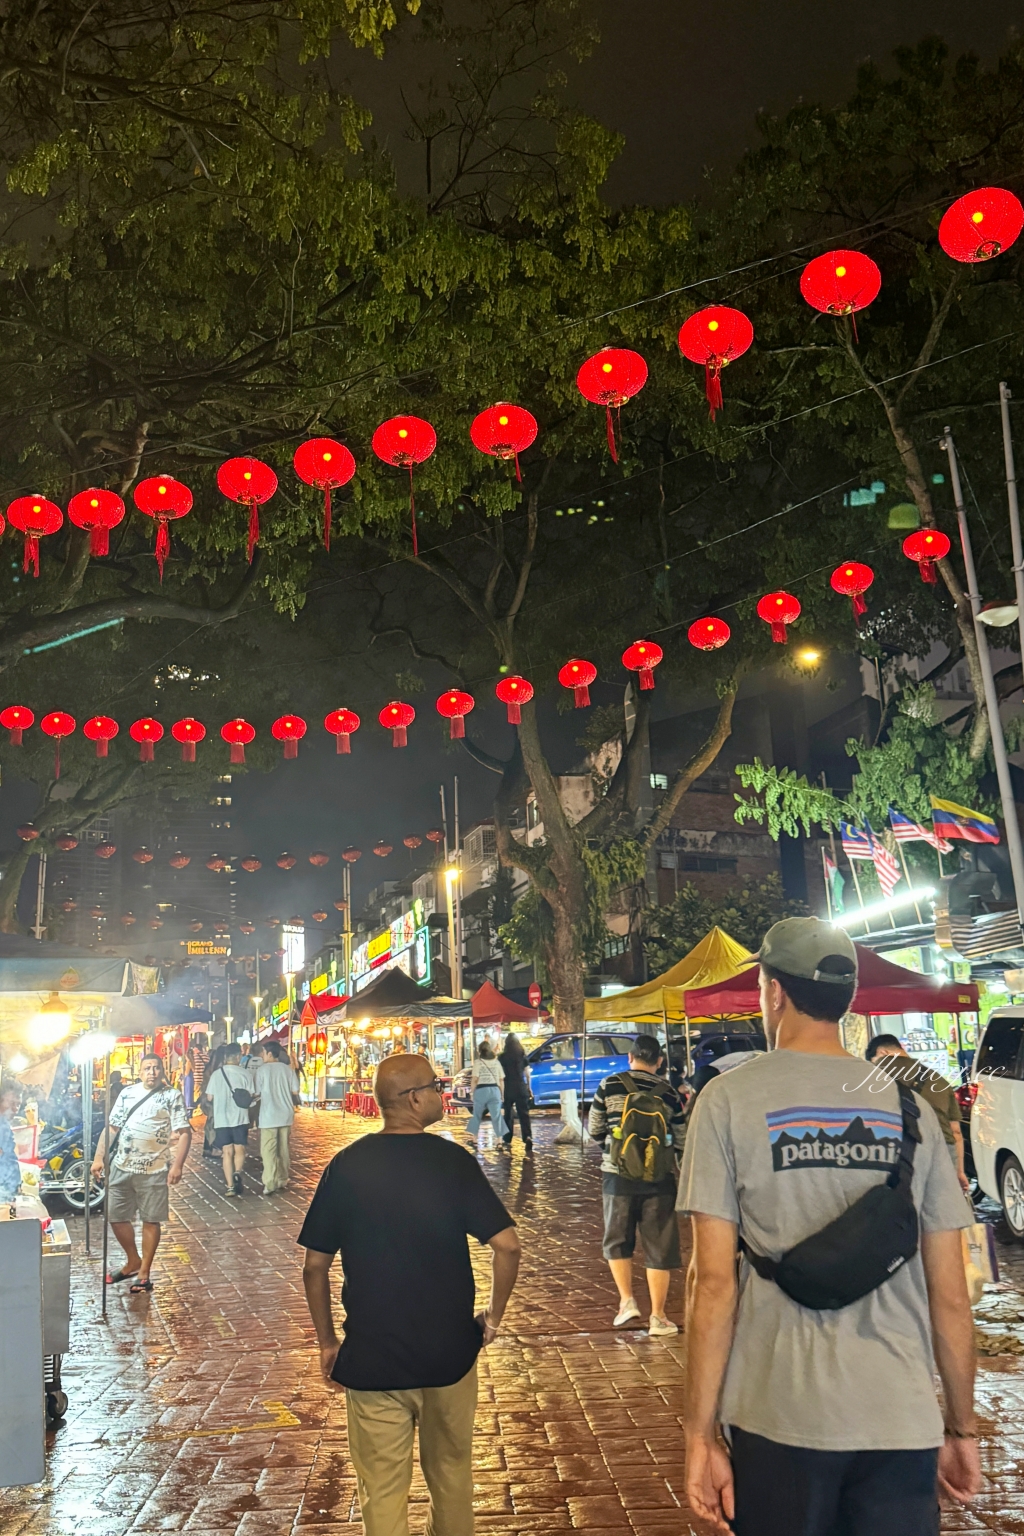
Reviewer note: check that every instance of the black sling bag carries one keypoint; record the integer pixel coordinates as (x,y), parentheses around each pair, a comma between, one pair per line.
(862,1248)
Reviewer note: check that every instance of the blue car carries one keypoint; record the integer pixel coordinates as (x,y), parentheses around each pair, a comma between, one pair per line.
(556,1066)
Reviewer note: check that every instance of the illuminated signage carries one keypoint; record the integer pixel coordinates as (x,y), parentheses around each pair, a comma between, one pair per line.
(318,984)
(386,948)
(206,947)
(293,942)
(414,960)
(281,1006)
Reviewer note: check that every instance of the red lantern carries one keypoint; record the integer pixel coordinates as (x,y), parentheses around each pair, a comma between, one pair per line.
(642,657)
(67,842)
(404,441)
(238,733)
(156,922)
(840,283)
(290,729)
(715,337)
(17,718)
(147,732)
(352,853)
(318,860)
(71,905)
(435,835)
(926,546)
(455,706)
(163,498)
(35,517)
(188,732)
(180,860)
(251,864)
(128,918)
(610,378)
(504,431)
(58,724)
(247,928)
(382,849)
(412,841)
(102,730)
(249,482)
(142,856)
(981,225)
(851,580)
(320,917)
(97,512)
(779,609)
(287,861)
(708,634)
(327,466)
(320,1044)
(578,675)
(396,717)
(27,832)
(105,850)
(216,863)
(340,724)
(513,692)
(341,904)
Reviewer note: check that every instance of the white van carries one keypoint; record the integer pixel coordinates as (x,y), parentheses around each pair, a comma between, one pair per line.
(997,1115)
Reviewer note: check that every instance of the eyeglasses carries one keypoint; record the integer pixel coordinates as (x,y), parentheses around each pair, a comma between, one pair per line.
(436,1083)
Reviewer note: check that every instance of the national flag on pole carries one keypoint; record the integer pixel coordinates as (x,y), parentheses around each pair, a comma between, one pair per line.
(887,868)
(959,821)
(904,830)
(835,885)
(856,844)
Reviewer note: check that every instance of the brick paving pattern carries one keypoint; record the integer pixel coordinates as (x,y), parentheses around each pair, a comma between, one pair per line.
(200,1408)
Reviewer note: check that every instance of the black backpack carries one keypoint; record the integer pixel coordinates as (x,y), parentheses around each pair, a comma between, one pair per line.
(862,1248)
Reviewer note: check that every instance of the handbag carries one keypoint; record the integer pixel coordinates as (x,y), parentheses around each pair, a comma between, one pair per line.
(862,1248)
(241,1096)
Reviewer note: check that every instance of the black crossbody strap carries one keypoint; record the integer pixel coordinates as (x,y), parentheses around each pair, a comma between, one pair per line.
(145,1100)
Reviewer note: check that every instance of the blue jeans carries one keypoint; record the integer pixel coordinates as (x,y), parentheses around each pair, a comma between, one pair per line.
(486,1101)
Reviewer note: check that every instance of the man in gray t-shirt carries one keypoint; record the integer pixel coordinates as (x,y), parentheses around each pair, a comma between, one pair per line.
(831,1416)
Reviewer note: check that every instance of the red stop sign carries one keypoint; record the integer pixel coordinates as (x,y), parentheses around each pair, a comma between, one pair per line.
(535,994)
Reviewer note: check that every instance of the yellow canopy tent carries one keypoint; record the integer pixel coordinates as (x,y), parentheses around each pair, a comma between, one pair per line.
(661,1000)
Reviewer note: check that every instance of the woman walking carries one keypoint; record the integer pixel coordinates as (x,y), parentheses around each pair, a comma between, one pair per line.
(487,1082)
(517,1094)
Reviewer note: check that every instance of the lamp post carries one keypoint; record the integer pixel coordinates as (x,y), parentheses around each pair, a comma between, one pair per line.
(1014,509)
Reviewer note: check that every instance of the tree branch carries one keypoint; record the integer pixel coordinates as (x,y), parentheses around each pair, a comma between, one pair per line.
(701,759)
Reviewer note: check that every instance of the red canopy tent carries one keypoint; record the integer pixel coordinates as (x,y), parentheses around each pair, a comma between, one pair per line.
(492,1007)
(881,988)
(322,1002)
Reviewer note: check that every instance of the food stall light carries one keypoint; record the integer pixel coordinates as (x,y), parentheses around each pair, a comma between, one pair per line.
(357,1041)
(364,1024)
(51,1023)
(880,908)
(17,1063)
(91,1046)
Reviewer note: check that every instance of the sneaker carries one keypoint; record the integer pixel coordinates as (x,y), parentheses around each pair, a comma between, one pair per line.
(661,1327)
(239,1186)
(229,1194)
(626,1313)
(528,1143)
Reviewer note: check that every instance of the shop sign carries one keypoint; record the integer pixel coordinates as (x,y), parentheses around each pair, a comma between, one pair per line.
(385,948)
(206,947)
(293,942)
(318,984)
(414,960)
(280,1007)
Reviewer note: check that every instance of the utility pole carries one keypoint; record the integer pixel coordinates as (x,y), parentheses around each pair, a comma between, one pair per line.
(457,861)
(1014,509)
(1013,840)
(38,928)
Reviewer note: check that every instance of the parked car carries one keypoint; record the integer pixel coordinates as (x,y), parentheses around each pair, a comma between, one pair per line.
(997,1114)
(556,1066)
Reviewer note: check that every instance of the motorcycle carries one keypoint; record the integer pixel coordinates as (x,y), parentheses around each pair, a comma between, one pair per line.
(65,1171)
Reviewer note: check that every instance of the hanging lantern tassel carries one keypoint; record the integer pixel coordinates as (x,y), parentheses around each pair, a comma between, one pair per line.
(859,607)
(778,631)
(254,528)
(612,449)
(327,518)
(56,760)
(163,545)
(31,561)
(412,514)
(713,385)
(146,752)
(188,751)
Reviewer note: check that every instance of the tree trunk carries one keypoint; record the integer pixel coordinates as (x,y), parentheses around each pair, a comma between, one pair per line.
(10,886)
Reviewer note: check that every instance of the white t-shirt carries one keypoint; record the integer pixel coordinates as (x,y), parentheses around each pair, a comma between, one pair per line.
(487,1074)
(275,1084)
(219,1085)
(144,1145)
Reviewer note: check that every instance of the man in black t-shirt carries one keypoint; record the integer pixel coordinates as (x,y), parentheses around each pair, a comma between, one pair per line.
(398,1207)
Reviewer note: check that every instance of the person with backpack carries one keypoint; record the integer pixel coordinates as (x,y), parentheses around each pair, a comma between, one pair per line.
(811,1404)
(639,1117)
(229,1095)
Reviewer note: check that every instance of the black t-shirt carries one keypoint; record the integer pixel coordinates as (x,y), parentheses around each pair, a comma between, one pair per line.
(398,1209)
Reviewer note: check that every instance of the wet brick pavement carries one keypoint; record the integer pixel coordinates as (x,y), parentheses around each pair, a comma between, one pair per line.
(200,1408)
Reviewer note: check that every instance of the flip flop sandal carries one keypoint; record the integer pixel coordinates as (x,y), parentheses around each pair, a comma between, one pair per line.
(140,1286)
(121,1274)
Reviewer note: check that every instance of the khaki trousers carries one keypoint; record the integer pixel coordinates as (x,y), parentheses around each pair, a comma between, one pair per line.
(277,1162)
(381,1428)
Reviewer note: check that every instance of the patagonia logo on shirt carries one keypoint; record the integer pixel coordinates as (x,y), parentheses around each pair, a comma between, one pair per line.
(804,1137)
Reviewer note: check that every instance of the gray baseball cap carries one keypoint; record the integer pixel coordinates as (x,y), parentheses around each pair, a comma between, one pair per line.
(799,945)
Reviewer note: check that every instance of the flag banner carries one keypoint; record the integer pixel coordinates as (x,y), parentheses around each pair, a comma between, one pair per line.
(904,830)
(856,844)
(835,885)
(887,868)
(953,820)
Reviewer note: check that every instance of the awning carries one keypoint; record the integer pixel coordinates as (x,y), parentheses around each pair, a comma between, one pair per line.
(490,1006)
(662,1000)
(319,1009)
(882,987)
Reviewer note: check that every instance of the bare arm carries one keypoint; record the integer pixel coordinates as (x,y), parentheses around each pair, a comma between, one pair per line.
(504,1270)
(181,1142)
(316,1282)
(953,1342)
(709,1334)
(958,1142)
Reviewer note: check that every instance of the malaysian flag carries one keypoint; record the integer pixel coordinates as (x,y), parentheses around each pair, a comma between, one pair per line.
(906,831)
(856,844)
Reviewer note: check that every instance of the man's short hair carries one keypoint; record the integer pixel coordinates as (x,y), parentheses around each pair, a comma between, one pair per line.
(646,1049)
(827,1000)
(882,1043)
(151,1056)
(232,1050)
